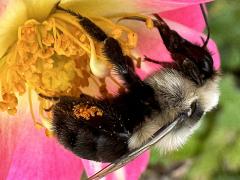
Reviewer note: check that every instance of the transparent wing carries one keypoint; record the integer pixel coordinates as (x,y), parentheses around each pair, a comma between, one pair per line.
(138,151)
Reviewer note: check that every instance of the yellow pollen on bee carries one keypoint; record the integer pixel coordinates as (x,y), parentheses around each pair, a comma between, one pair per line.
(53,58)
(86,112)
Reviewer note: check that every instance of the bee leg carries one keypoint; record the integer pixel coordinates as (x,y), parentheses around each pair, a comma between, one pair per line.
(92,29)
(163,64)
(188,67)
(112,50)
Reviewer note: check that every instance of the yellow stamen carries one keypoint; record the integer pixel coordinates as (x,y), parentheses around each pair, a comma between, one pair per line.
(57,57)
(49,133)
(132,40)
(36,123)
(149,23)
(100,68)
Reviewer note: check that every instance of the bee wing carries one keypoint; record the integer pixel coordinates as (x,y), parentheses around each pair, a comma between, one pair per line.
(136,152)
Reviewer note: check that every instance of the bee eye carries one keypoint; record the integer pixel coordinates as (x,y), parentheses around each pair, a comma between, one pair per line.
(206,66)
(193,107)
(196,110)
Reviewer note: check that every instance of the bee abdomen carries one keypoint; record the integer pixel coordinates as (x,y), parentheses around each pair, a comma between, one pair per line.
(89,142)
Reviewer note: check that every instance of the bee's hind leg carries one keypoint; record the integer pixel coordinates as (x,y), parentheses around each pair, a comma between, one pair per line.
(92,29)
(112,50)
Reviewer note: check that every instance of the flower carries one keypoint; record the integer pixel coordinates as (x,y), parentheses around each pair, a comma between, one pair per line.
(37,43)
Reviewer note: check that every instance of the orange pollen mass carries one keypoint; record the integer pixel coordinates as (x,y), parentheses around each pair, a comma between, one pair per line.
(86,112)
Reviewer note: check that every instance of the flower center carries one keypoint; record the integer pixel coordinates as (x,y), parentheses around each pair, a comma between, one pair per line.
(53,58)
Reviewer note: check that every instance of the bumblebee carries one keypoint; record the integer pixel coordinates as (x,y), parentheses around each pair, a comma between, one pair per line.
(164,109)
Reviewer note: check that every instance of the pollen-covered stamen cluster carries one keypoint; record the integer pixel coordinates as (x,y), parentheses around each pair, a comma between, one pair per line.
(53,58)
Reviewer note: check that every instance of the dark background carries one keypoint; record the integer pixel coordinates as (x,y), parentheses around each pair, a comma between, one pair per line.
(213,152)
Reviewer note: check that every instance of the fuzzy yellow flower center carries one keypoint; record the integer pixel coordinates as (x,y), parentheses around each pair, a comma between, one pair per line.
(53,58)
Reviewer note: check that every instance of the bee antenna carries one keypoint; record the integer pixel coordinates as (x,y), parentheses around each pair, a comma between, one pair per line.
(207,26)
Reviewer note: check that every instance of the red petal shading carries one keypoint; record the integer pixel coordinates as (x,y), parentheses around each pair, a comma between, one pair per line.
(131,171)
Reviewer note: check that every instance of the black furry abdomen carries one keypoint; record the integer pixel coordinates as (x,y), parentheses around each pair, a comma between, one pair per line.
(99,138)
(89,143)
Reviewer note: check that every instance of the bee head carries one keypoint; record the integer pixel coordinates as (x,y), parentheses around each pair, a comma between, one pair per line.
(178,95)
(197,64)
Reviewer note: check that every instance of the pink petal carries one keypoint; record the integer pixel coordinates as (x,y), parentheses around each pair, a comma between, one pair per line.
(166,5)
(27,153)
(131,171)
(190,16)
(118,7)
